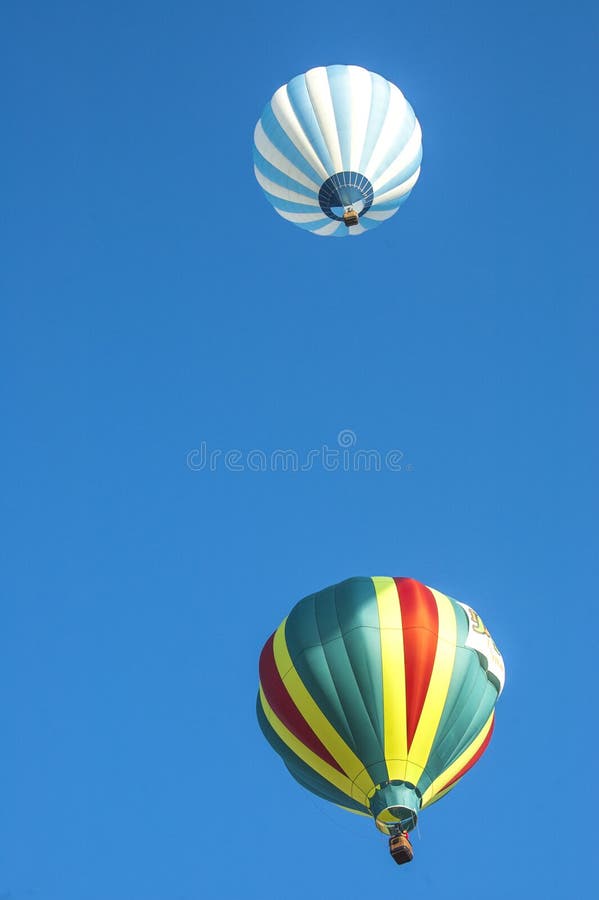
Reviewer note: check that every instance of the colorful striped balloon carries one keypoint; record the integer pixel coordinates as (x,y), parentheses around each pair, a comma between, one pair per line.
(379,695)
(335,139)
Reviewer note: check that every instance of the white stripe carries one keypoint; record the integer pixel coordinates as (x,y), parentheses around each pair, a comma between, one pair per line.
(317,82)
(276,159)
(361,97)
(399,191)
(409,152)
(380,215)
(356,229)
(302,218)
(284,193)
(397,110)
(289,122)
(328,229)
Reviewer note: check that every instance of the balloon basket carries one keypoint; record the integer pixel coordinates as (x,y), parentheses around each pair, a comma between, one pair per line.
(401,849)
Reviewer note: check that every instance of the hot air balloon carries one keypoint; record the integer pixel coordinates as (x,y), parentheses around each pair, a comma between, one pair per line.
(337,150)
(379,695)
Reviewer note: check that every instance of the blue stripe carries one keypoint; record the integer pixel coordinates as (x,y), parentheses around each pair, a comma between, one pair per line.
(291,206)
(369,224)
(402,175)
(340,84)
(285,145)
(279,177)
(310,226)
(297,91)
(390,204)
(404,133)
(378,110)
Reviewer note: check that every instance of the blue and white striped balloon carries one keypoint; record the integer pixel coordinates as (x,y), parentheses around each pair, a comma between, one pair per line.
(334,139)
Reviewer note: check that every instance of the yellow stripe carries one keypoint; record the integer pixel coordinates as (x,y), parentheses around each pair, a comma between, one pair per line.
(394,678)
(441,794)
(436,694)
(386,817)
(438,785)
(357,812)
(318,722)
(311,759)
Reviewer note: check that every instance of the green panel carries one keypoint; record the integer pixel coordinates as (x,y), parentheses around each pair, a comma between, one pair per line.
(425,780)
(358,615)
(466,690)
(478,717)
(302,773)
(313,782)
(305,650)
(467,707)
(334,641)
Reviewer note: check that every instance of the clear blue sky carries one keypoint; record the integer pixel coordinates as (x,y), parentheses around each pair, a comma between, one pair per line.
(151,301)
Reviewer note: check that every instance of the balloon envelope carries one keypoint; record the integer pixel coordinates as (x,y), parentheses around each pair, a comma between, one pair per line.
(335,138)
(379,695)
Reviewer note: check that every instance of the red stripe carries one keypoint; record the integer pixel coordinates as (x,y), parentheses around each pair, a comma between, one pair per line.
(420,624)
(283,706)
(474,759)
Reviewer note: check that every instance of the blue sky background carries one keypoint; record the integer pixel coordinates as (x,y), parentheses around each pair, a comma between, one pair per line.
(152,300)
